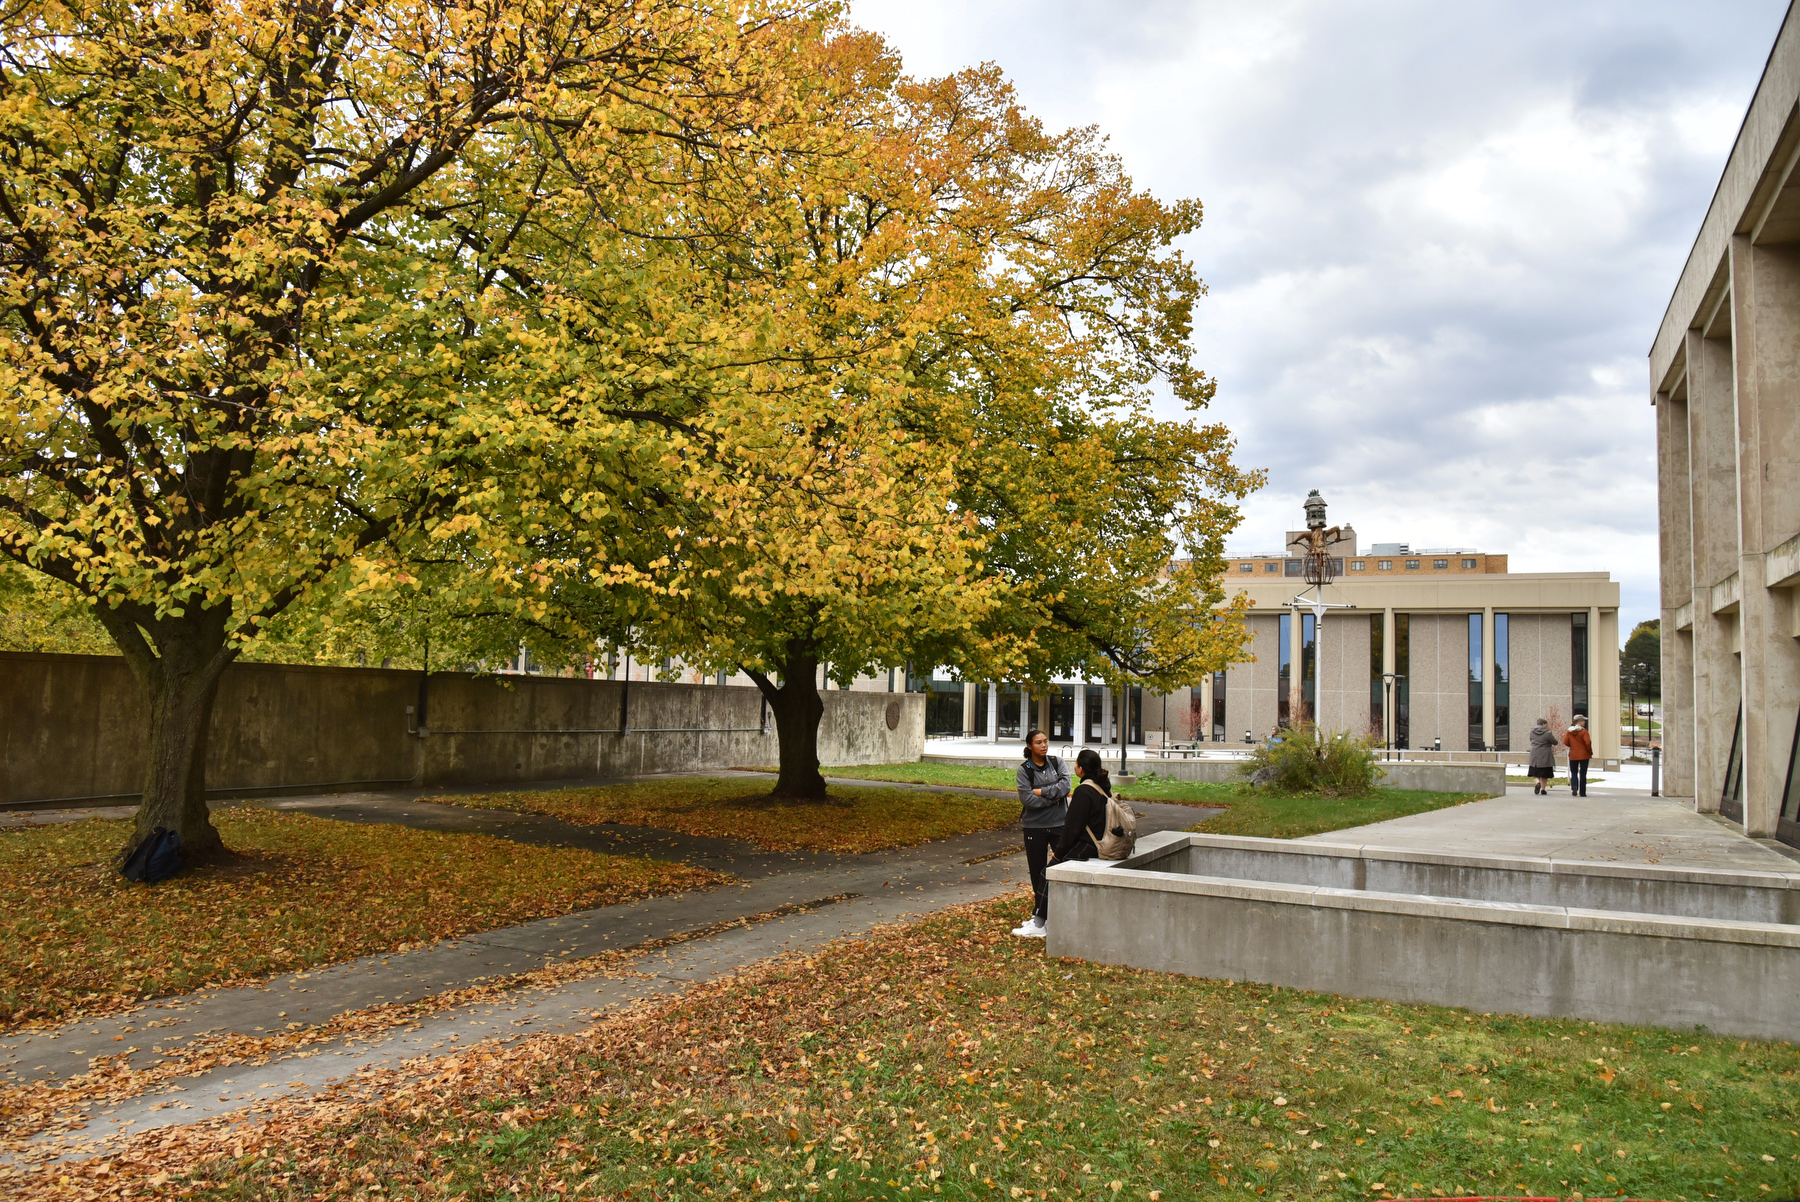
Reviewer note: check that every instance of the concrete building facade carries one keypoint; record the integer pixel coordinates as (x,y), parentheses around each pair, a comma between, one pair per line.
(1429,649)
(1725,381)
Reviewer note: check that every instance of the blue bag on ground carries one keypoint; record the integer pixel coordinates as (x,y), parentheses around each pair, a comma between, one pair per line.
(156,858)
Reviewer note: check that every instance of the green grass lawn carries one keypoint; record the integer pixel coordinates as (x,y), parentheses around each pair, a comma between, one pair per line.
(1252,811)
(1274,816)
(299,891)
(851,820)
(948,1060)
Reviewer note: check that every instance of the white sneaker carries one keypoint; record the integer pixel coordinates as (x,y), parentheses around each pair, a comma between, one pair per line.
(1026,929)
(1035,928)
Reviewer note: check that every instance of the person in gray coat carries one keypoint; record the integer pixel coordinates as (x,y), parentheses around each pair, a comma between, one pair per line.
(1043,792)
(1543,756)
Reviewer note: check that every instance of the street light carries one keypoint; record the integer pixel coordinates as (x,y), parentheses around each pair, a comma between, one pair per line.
(1387,714)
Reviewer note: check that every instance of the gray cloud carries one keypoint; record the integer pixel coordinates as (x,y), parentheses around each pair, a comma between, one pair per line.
(1439,237)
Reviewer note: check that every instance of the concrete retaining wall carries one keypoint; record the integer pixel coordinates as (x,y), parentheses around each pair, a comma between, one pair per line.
(71,726)
(1489,955)
(1488,780)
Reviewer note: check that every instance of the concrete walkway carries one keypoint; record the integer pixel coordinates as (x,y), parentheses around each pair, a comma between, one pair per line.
(1619,827)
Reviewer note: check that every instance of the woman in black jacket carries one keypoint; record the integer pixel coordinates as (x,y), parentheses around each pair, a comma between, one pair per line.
(1085,823)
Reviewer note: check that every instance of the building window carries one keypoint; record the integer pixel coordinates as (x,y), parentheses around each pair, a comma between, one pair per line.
(1356,565)
(1412,565)
(1440,564)
(1284,644)
(1271,567)
(1248,567)
(1469,565)
(1476,714)
(1377,685)
(1402,669)
(1502,685)
(1218,712)
(1578,664)
(1292,566)
(1384,565)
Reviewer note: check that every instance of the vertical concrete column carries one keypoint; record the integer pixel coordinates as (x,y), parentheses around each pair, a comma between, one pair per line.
(1765,318)
(969,694)
(1203,724)
(1080,735)
(1606,740)
(993,712)
(1043,709)
(1390,697)
(1487,677)
(1712,505)
(1106,716)
(1676,537)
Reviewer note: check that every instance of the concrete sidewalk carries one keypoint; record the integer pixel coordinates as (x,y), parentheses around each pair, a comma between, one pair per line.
(1620,828)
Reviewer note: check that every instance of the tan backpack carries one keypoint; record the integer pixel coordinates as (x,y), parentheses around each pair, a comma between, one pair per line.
(1121,829)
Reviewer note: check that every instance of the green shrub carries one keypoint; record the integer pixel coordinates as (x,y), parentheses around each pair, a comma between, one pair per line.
(1304,761)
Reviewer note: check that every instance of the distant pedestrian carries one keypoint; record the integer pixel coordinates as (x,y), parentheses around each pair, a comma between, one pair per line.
(1043,785)
(1543,756)
(1085,824)
(1581,750)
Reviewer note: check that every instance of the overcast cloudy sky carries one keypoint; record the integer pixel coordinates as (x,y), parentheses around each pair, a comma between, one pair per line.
(1439,236)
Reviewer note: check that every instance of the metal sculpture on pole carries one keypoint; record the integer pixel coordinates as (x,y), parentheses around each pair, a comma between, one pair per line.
(1318,570)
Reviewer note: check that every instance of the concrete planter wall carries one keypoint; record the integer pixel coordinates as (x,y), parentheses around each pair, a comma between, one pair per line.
(71,727)
(1488,780)
(1610,943)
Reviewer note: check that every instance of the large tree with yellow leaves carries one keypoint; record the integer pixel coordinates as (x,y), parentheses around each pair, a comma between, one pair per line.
(982,314)
(295,294)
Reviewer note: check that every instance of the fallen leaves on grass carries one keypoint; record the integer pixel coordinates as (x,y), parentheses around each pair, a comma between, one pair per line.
(301,891)
(946,1055)
(851,820)
(28,1110)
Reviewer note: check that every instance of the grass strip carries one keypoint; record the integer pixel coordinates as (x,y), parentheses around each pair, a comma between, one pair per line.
(948,1059)
(1277,816)
(849,820)
(1250,811)
(301,891)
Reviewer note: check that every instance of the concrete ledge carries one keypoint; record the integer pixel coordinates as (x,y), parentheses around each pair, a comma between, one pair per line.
(1489,933)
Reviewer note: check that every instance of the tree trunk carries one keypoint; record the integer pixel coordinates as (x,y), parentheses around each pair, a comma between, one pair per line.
(798,708)
(178,683)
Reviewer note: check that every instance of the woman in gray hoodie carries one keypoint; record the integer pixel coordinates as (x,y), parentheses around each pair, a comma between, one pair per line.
(1043,787)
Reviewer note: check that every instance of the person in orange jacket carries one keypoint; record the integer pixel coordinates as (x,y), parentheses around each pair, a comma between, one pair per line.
(1581,750)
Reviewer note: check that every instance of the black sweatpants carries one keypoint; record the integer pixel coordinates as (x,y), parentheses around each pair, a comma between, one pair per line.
(1037,858)
(1578,777)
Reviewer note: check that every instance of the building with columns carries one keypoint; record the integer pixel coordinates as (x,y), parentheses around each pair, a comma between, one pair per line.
(1424,648)
(1725,381)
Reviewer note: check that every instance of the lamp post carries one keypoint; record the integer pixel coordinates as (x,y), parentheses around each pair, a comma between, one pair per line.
(1388,715)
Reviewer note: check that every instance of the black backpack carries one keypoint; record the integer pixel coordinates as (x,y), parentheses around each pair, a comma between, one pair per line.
(156,858)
